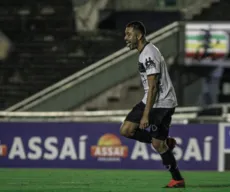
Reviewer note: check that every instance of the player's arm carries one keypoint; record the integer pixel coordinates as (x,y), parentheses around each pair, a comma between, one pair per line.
(152,66)
(151,96)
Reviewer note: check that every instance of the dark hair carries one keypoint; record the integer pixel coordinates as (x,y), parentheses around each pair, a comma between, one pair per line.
(137,25)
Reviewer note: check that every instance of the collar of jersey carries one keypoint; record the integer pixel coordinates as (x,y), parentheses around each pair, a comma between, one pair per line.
(144,47)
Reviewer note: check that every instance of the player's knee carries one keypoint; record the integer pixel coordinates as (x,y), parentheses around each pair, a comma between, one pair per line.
(159,145)
(156,145)
(126,131)
(123,131)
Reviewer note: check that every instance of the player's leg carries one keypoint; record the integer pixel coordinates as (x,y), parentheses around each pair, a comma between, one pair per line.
(159,131)
(171,143)
(131,130)
(169,162)
(130,127)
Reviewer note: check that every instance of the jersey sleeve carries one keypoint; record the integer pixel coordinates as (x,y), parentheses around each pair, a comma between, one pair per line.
(151,62)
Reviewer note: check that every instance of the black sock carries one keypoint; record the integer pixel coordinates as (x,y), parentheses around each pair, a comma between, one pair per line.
(170,163)
(142,135)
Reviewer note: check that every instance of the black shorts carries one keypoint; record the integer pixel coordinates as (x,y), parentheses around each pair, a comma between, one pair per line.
(159,119)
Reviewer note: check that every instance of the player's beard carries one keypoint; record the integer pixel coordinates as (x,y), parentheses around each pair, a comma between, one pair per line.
(133,45)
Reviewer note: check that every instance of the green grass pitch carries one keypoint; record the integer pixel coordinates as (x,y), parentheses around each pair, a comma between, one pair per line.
(75,180)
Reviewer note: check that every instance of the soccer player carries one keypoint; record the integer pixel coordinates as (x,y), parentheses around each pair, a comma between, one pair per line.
(158,104)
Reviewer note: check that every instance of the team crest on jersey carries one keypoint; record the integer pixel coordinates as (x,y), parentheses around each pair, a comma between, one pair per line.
(141,67)
(149,63)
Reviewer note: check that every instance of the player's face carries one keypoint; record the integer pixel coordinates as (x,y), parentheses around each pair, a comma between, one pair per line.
(131,38)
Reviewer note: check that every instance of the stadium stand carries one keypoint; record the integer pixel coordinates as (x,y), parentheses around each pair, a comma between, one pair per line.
(44,46)
(218,12)
(47,48)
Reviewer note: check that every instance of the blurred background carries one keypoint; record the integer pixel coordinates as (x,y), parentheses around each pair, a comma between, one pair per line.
(65,61)
(44,42)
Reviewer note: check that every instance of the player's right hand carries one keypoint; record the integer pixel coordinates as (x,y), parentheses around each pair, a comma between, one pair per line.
(144,123)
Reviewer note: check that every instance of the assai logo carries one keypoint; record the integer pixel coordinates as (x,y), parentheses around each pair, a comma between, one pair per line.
(3,149)
(193,149)
(109,148)
(47,148)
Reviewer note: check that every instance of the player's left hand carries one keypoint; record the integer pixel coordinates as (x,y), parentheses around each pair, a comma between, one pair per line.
(144,123)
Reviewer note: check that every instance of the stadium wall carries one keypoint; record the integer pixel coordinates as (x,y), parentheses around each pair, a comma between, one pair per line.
(99,146)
